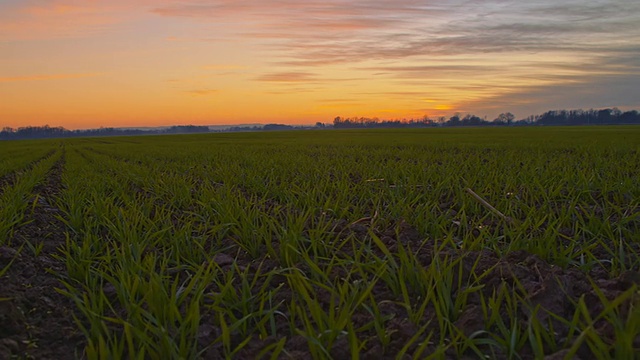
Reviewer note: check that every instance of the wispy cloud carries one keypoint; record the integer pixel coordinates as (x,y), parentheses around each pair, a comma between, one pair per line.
(481,50)
(56,19)
(357,30)
(223,67)
(596,91)
(288,77)
(47,77)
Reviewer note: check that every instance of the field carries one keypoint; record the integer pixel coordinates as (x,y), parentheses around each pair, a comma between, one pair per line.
(323,244)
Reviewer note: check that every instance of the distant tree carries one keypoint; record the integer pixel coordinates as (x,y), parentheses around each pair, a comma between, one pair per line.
(454,120)
(472,120)
(277,127)
(426,120)
(505,118)
(186,129)
(371,122)
(629,117)
(604,116)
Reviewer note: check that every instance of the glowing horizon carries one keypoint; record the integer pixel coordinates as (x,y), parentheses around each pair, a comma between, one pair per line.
(120,63)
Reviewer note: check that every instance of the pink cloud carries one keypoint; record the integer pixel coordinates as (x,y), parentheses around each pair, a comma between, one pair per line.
(288,77)
(47,77)
(55,19)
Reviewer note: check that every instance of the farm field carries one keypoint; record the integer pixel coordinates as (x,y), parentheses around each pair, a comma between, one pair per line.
(323,244)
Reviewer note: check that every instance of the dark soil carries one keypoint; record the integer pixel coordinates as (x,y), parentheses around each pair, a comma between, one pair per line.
(36,322)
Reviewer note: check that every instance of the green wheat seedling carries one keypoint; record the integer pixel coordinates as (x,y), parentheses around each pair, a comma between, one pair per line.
(337,237)
(14,200)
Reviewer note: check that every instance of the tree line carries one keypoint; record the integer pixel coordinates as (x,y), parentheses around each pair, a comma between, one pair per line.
(46,132)
(555,117)
(612,116)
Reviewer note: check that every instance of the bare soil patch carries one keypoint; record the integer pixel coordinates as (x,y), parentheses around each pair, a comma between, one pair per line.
(37,321)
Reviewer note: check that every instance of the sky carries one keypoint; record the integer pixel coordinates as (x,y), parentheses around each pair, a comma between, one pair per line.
(116,63)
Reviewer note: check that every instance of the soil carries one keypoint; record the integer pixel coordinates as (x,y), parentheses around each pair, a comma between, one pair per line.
(38,322)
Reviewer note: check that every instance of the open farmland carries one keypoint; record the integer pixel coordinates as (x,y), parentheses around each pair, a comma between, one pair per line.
(323,244)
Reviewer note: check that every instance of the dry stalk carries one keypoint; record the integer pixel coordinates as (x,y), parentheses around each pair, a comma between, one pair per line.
(484,203)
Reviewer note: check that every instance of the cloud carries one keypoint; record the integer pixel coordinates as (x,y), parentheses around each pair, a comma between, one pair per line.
(598,91)
(284,9)
(288,77)
(483,55)
(56,19)
(47,77)
(339,31)
(419,71)
(223,67)
(338,100)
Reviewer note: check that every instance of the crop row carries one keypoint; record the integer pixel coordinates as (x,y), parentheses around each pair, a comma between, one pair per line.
(15,197)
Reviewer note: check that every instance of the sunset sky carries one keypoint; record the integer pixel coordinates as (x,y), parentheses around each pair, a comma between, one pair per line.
(85,64)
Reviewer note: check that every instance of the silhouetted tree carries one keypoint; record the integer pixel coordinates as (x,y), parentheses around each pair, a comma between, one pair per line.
(505,118)
(454,120)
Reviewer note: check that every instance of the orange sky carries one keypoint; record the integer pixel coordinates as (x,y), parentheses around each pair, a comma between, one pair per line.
(84,64)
